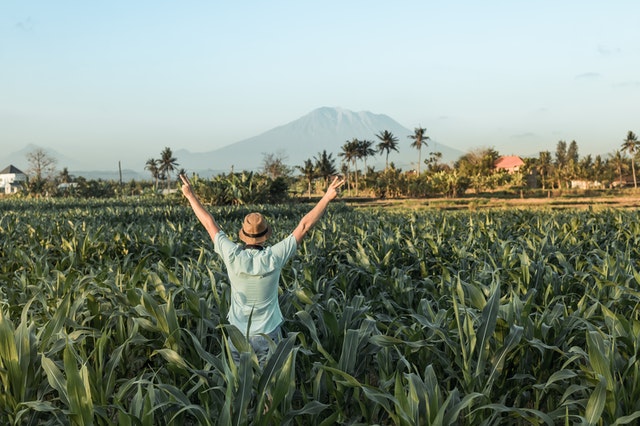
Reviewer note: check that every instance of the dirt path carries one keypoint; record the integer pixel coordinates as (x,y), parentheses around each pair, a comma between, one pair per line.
(483,202)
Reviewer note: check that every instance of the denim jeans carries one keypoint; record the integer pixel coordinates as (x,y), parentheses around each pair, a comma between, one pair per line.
(260,346)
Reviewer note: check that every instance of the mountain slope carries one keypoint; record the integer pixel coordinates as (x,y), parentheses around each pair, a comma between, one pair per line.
(322,129)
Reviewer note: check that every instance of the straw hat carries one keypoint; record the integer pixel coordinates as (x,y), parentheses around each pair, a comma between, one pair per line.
(255,229)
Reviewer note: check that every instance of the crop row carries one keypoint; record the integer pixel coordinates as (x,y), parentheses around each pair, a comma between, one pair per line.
(114,313)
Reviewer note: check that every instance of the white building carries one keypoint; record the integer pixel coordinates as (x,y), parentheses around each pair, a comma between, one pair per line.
(586,184)
(11,179)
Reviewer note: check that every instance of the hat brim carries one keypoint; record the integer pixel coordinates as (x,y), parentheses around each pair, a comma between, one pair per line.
(252,239)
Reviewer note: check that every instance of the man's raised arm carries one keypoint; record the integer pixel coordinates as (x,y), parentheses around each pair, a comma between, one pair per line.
(205,218)
(314,215)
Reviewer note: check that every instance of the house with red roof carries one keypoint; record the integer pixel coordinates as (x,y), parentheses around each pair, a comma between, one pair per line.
(12,179)
(510,163)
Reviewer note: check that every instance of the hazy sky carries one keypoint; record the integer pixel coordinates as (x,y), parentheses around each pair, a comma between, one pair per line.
(105,78)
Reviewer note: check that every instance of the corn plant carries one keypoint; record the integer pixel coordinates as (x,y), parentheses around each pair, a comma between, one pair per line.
(114,312)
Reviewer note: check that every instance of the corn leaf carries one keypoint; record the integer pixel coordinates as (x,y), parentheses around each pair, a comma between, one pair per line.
(487,326)
(595,405)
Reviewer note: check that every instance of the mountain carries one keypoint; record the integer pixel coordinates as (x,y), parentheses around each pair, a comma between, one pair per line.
(322,129)
(19,158)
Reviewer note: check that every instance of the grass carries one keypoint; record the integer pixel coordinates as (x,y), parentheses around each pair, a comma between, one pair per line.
(571,200)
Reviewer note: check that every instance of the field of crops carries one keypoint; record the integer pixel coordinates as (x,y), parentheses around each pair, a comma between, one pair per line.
(113,312)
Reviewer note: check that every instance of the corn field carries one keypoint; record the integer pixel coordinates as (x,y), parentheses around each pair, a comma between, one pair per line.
(113,312)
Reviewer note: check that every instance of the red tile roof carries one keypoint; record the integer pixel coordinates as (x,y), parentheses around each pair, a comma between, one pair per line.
(510,162)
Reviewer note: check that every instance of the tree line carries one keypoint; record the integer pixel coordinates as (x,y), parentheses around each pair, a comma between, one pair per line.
(278,182)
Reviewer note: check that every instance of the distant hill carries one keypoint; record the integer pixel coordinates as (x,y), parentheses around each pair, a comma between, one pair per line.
(322,129)
(19,158)
(75,167)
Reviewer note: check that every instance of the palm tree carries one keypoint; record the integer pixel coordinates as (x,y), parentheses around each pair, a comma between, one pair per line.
(152,166)
(544,165)
(598,168)
(631,146)
(419,139)
(617,163)
(167,164)
(573,159)
(388,143)
(561,162)
(585,169)
(309,172)
(365,151)
(350,155)
(326,166)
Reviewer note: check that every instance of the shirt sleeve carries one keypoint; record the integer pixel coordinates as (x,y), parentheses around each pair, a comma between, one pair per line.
(223,245)
(286,248)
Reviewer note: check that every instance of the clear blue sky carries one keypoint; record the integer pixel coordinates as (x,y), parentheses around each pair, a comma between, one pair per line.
(96,79)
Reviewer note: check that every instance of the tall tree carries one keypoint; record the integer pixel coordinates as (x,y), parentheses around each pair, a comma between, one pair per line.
(585,168)
(326,166)
(544,166)
(598,168)
(64,176)
(561,162)
(152,165)
(630,145)
(350,154)
(365,151)
(480,161)
(388,142)
(617,163)
(168,164)
(573,160)
(41,164)
(309,171)
(433,162)
(419,138)
(478,165)
(273,165)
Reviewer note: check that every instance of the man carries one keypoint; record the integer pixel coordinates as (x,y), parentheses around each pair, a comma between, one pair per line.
(254,270)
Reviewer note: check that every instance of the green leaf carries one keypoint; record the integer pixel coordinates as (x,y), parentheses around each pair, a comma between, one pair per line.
(312,408)
(498,360)
(487,327)
(172,357)
(245,386)
(307,321)
(625,420)
(599,359)
(80,403)
(595,406)
(55,378)
(452,414)
(276,361)
(557,376)
(344,377)
(349,355)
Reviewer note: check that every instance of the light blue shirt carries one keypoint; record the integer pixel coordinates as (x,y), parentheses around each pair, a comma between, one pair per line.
(254,276)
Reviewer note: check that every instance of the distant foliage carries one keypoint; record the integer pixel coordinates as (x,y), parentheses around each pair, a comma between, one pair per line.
(241,188)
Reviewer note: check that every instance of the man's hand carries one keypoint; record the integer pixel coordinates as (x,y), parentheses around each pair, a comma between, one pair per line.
(202,214)
(332,191)
(314,215)
(187,191)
